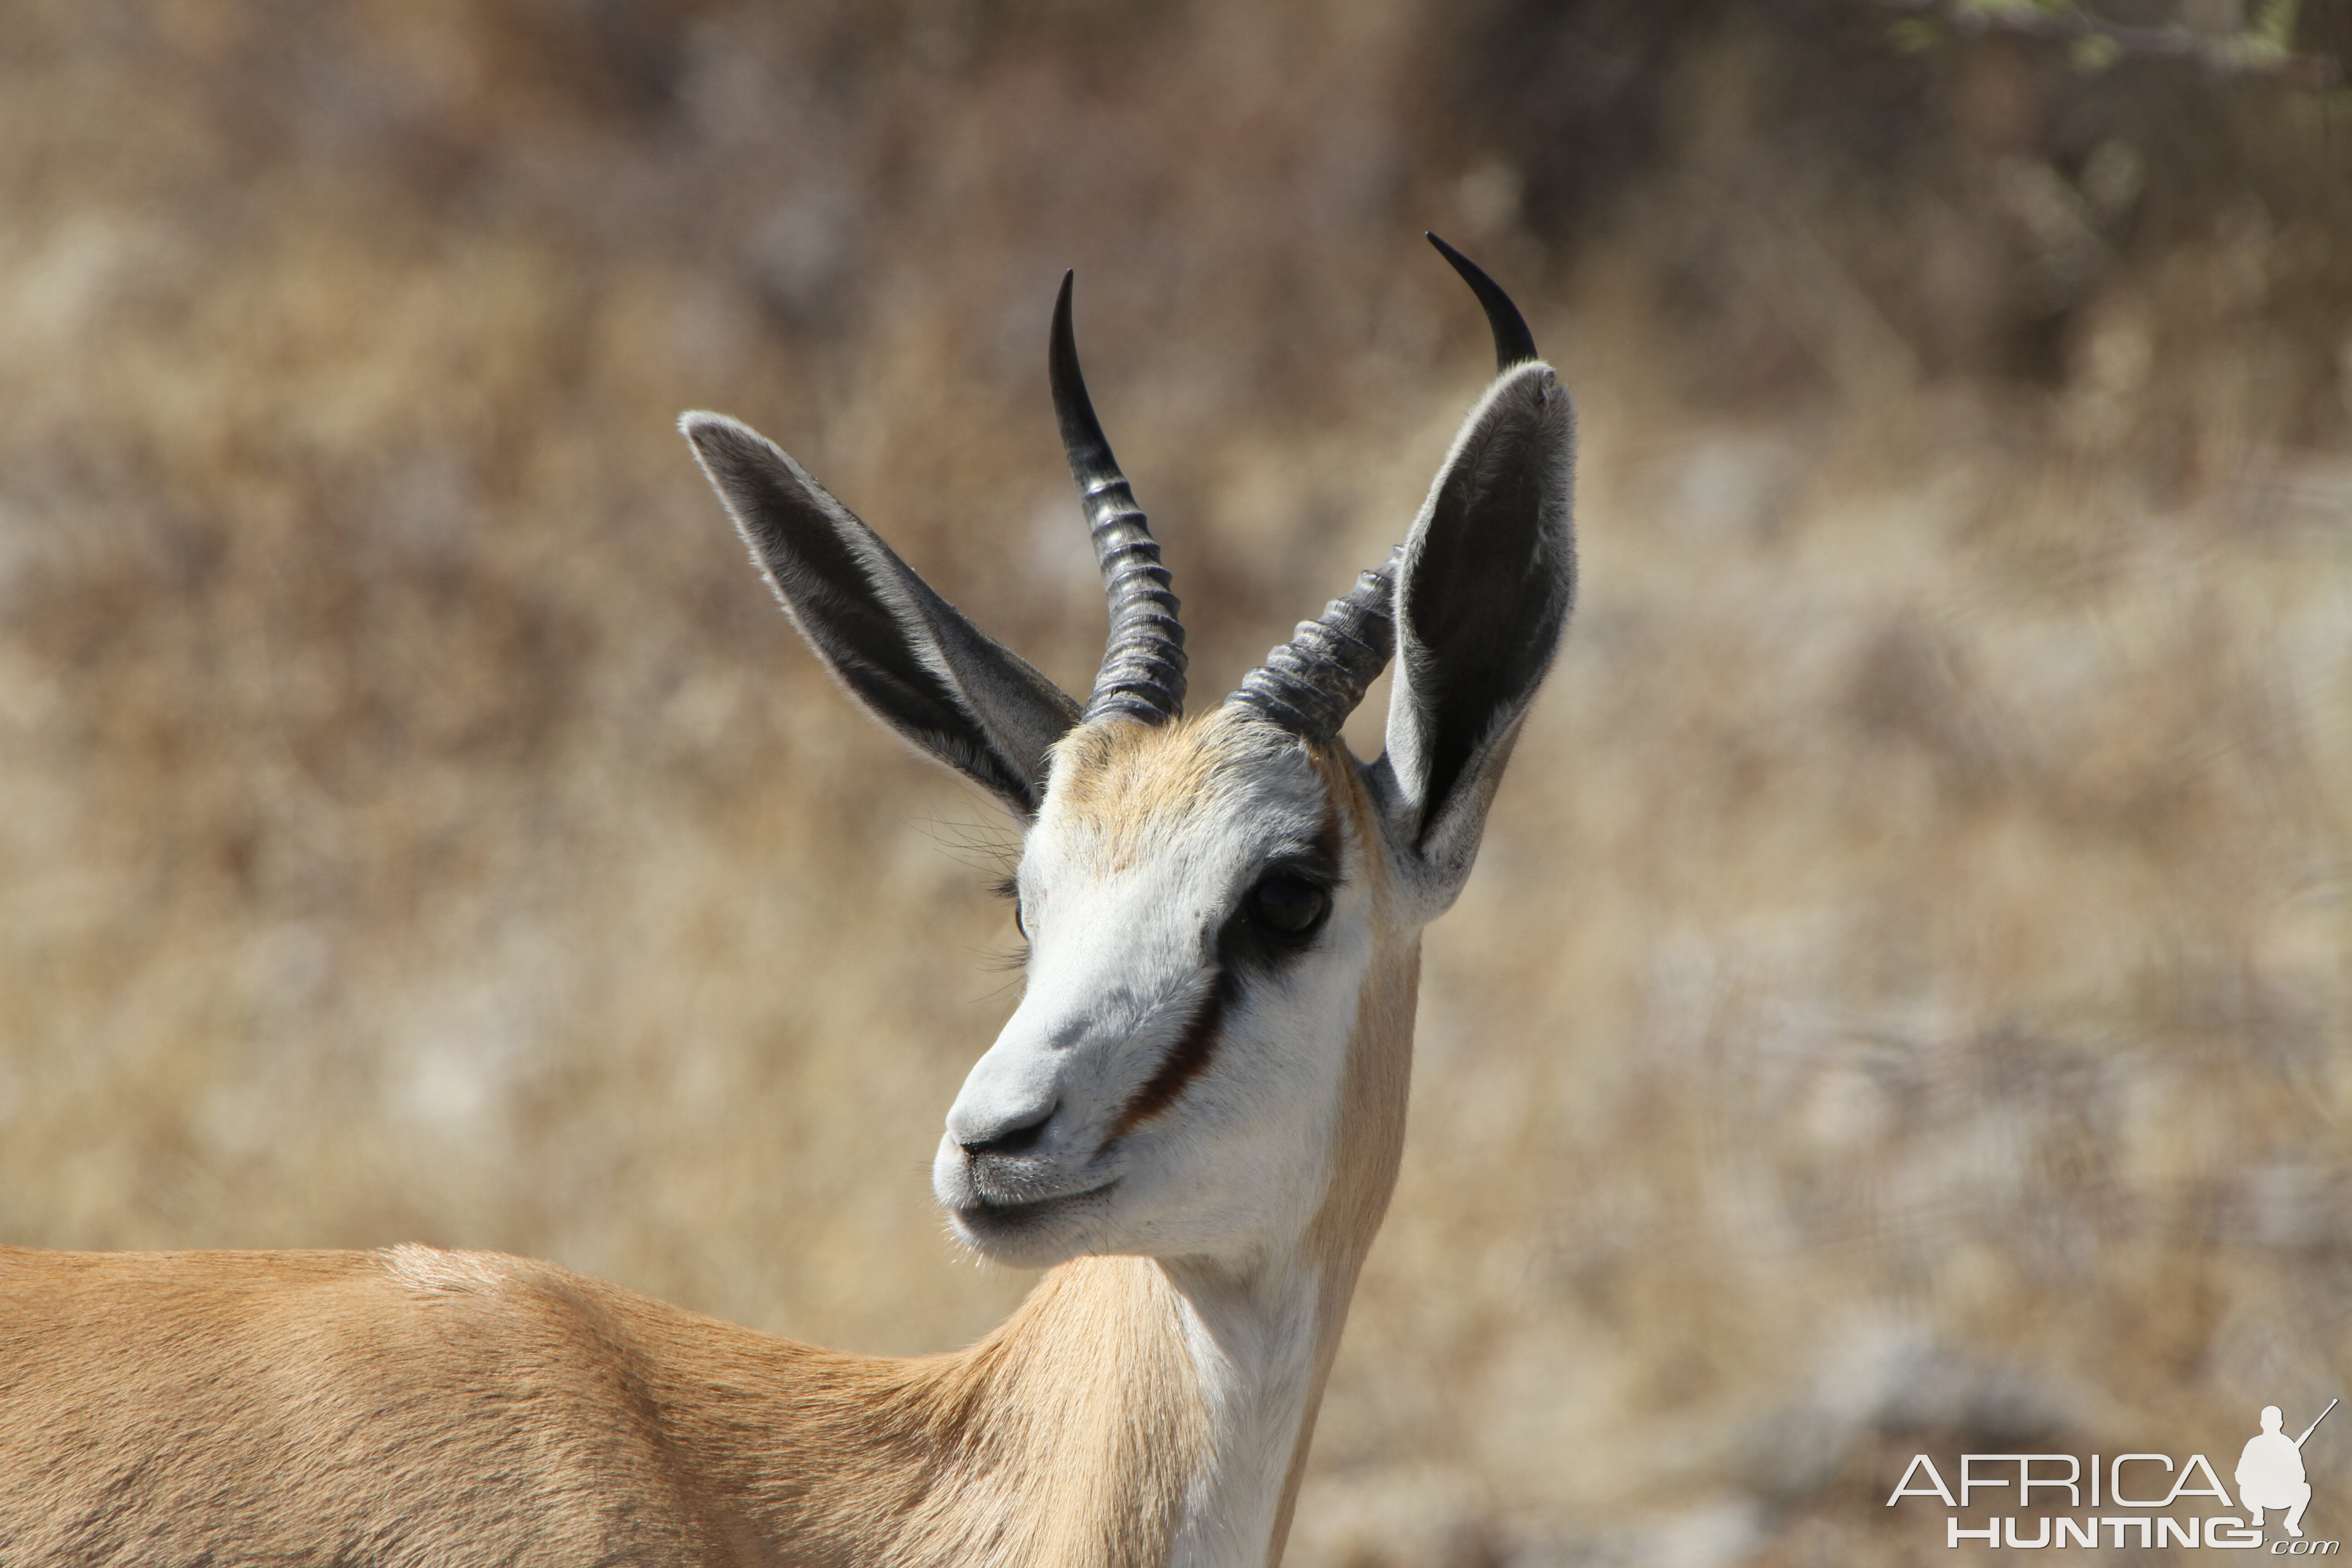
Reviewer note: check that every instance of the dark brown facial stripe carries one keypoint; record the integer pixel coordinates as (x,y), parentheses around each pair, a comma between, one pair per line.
(1185,1060)
(1196,1047)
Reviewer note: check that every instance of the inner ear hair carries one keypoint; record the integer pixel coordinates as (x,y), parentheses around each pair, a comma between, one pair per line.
(909,656)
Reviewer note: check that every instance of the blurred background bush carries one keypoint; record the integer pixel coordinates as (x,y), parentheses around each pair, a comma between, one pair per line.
(1903,1002)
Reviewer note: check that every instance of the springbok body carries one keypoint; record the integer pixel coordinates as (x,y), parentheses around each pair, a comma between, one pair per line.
(1193,1118)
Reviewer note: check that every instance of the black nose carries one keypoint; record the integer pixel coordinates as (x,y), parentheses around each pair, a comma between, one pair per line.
(1015,1139)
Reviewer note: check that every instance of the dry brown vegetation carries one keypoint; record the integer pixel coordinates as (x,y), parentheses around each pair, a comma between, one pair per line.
(1902,1003)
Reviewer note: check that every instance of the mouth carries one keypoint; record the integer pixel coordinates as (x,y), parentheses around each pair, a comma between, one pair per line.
(984,1218)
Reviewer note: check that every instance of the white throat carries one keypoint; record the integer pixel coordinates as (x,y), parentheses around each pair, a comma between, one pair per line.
(1251,1336)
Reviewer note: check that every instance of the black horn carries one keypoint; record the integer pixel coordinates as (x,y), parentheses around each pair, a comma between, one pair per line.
(1143,660)
(1310,684)
(1513,344)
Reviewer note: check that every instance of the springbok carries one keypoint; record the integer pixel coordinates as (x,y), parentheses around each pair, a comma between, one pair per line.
(1194,1118)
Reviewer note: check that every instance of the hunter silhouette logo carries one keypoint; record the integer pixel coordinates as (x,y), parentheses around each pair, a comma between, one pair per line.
(2143,1488)
(2270,1472)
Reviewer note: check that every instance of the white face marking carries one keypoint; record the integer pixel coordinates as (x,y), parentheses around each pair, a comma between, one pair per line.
(1146,958)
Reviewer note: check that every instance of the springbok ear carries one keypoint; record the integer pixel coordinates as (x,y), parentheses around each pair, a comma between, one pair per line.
(1484,589)
(908,654)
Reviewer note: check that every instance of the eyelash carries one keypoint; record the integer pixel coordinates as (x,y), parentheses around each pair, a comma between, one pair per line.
(1009,888)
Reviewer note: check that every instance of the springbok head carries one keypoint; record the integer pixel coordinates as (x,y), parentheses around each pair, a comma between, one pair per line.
(1222,912)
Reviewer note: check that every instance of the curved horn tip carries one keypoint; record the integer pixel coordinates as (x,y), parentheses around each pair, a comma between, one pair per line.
(1142,673)
(1513,344)
(1062,304)
(1083,441)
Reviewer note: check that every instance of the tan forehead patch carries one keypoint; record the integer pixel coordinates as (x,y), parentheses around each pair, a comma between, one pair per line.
(1125,781)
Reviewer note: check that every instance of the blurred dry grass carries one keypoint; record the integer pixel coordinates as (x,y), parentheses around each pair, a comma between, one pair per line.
(1903,1001)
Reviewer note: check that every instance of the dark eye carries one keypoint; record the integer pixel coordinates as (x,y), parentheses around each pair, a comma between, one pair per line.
(1018,923)
(1288,908)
